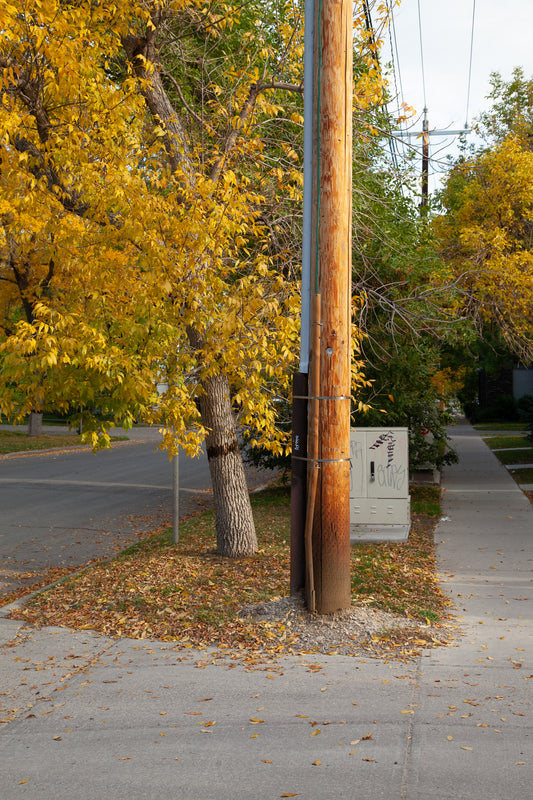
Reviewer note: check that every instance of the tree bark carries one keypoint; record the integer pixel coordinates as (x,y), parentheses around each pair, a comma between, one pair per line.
(233,512)
(35,424)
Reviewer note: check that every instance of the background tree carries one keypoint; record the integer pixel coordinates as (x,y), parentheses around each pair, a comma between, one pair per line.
(486,228)
(512,108)
(409,304)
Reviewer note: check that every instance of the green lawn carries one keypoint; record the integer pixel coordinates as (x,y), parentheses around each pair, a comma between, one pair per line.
(515,456)
(522,476)
(500,426)
(506,441)
(507,456)
(16,441)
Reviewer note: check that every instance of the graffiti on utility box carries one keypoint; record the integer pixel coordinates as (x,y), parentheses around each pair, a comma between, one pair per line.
(379,462)
(389,440)
(392,474)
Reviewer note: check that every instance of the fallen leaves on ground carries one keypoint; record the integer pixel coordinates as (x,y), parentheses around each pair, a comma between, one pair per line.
(188,594)
(19,581)
(402,577)
(32,581)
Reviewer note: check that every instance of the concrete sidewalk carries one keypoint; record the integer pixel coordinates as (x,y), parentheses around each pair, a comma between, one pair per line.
(103,720)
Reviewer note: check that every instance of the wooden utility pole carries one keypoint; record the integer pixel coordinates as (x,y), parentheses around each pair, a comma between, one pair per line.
(425,133)
(329,373)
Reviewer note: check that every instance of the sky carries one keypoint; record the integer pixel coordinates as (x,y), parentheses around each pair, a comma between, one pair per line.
(502,40)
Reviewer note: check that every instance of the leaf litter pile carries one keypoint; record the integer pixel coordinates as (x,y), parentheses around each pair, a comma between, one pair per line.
(187,594)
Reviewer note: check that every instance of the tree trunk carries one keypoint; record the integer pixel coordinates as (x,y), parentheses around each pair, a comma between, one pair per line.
(35,424)
(233,512)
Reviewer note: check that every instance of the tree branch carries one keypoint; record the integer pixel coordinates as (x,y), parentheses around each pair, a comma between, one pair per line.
(141,53)
(177,87)
(248,106)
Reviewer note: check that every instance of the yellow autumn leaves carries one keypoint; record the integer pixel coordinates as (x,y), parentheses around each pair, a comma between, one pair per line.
(110,251)
(485,236)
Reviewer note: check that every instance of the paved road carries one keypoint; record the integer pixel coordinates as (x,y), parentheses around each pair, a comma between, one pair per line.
(61,509)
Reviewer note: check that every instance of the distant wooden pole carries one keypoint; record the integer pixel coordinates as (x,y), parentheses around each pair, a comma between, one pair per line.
(333,104)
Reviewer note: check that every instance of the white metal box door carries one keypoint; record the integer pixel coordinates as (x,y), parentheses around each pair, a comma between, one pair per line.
(379,477)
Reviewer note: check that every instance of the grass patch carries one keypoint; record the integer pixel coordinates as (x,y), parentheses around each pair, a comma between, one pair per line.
(522,456)
(426,500)
(522,475)
(515,456)
(500,426)
(507,440)
(402,577)
(18,442)
(187,593)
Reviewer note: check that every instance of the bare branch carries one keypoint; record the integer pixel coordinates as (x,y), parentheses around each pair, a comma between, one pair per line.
(284,87)
(177,87)
(247,109)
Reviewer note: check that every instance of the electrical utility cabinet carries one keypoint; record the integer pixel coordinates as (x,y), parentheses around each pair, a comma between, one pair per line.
(379,483)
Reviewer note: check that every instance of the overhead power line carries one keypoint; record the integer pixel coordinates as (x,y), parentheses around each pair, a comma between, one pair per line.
(426,133)
(395,61)
(422,54)
(372,39)
(470,61)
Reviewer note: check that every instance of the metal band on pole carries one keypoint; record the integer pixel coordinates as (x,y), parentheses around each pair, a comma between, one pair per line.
(322,460)
(318,397)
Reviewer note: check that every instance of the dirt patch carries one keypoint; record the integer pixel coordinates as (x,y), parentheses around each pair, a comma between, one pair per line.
(354,631)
